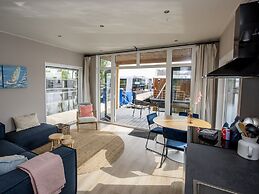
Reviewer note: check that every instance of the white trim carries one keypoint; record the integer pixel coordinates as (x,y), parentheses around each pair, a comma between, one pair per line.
(193,66)
(64,66)
(168,82)
(113,90)
(97,91)
(138,59)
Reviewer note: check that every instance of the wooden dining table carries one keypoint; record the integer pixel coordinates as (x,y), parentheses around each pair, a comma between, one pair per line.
(180,122)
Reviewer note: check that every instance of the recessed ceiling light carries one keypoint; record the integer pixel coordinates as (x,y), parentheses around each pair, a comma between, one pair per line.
(59,35)
(101,26)
(166,11)
(19,3)
(176,40)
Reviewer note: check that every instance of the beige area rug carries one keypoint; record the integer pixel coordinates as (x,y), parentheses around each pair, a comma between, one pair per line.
(95,149)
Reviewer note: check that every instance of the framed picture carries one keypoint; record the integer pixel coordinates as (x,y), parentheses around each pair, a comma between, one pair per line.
(1,76)
(14,76)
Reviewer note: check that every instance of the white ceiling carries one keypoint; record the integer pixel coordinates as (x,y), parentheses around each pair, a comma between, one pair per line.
(128,23)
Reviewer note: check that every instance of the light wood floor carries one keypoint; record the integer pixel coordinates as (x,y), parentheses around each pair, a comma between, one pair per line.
(135,172)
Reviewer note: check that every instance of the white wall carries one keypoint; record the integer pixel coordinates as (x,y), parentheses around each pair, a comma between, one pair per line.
(33,55)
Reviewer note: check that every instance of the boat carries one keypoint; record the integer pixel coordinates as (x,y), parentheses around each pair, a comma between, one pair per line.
(15,76)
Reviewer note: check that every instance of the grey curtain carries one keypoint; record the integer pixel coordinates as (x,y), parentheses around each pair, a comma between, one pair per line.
(86,85)
(205,90)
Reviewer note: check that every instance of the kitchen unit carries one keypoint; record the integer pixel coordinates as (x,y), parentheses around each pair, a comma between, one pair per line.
(216,168)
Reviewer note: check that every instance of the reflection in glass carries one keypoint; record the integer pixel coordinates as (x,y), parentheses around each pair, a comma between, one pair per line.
(181,89)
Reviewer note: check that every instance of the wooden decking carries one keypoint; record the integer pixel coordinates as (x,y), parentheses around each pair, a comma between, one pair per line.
(124,116)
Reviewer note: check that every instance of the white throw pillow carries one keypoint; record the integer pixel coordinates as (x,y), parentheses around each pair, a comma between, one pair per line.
(26,121)
(9,163)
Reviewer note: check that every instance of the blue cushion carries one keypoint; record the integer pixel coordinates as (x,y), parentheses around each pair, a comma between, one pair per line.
(7,148)
(9,163)
(178,145)
(33,137)
(158,130)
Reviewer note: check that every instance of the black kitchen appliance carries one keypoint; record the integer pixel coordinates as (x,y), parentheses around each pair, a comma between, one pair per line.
(246,45)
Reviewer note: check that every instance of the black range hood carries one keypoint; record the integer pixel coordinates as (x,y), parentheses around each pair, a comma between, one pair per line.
(246,45)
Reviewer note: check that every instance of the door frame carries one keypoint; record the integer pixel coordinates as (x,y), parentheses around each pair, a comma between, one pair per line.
(168,65)
(64,66)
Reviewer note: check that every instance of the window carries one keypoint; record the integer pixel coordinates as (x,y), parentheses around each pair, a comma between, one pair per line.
(105,87)
(153,58)
(181,76)
(231,99)
(61,89)
(126,60)
(181,89)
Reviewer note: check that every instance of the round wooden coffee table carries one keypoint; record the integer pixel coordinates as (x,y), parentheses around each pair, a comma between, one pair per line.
(55,139)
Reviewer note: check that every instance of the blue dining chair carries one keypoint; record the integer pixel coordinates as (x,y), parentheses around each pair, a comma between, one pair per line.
(185,114)
(153,129)
(174,139)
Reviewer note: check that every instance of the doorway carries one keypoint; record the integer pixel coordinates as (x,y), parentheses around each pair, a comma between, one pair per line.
(153,81)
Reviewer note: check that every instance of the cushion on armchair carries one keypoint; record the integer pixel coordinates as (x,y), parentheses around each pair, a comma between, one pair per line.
(86,110)
(87,119)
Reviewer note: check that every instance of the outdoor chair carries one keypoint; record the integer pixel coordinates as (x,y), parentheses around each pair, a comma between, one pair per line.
(139,105)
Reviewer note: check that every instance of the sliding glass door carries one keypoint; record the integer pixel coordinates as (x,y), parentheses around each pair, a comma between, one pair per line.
(132,85)
(105,88)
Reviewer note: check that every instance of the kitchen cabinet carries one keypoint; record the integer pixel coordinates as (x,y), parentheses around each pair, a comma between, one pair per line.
(220,168)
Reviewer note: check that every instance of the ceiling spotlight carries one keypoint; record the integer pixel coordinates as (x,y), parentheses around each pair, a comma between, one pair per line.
(59,35)
(19,3)
(166,11)
(101,26)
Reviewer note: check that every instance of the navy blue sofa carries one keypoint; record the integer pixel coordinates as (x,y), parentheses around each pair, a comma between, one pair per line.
(33,137)
(17,181)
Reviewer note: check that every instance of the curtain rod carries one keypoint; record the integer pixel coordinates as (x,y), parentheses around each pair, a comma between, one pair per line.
(150,48)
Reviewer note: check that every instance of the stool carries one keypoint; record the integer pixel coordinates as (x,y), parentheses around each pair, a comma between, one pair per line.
(68,142)
(55,138)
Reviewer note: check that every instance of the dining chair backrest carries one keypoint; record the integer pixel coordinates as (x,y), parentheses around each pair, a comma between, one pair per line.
(150,118)
(196,116)
(185,114)
(175,134)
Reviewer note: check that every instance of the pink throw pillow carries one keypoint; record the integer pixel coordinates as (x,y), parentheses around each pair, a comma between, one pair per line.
(86,110)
